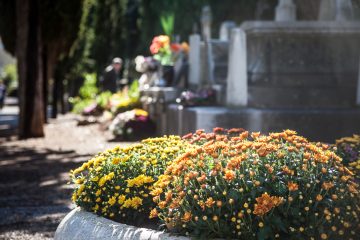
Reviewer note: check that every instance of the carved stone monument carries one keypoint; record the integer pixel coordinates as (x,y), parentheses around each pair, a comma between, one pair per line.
(206,18)
(302,75)
(225,30)
(339,10)
(327,10)
(344,10)
(194,60)
(285,11)
(237,91)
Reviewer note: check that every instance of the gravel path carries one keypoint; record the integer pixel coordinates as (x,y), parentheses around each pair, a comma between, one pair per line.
(35,195)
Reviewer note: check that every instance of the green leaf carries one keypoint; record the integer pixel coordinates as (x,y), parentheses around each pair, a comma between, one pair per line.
(264,233)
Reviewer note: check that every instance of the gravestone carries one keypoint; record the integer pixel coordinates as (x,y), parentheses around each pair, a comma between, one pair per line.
(194,60)
(302,64)
(344,10)
(225,30)
(236,94)
(301,75)
(285,11)
(327,10)
(206,19)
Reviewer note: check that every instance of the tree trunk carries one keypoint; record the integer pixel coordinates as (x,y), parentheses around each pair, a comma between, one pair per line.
(55,98)
(29,58)
(61,95)
(45,81)
(50,59)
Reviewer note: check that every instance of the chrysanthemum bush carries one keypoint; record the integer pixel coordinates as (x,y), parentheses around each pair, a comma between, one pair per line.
(117,182)
(251,186)
(348,148)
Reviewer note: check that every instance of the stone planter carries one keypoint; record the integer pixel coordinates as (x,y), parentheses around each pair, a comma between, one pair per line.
(82,225)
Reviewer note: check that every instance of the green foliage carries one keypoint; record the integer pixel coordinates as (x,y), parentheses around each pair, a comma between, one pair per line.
(134,91)
(60,21)
(126,99)
(87,94)
(80,104)
(7,26)
(10,77)
(89,89)
(348,148)
(103,99)
(167,23)
(105,20)
(78,61)
(109,28)
(185,14)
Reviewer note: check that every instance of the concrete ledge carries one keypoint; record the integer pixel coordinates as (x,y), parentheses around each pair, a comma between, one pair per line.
(82,225)
(315,124)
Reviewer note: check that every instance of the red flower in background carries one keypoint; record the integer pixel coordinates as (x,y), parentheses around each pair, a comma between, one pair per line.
(159,42)
(154,48)
(175,47)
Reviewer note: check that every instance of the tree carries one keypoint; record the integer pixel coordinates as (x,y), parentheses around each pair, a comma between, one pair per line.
(70,68)
(29,58)
(109,30)
(43,31)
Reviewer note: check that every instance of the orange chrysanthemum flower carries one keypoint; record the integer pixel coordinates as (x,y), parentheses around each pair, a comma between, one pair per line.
(327,185)
(265,203)
(210,202)
(292,186)
(186,217)
(153,213)
(229,175)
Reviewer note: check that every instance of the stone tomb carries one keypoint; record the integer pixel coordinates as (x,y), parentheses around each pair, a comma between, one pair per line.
(302,64)
(286,74)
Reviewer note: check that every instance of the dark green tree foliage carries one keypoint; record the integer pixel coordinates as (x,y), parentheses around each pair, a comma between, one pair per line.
(186,12)
(7,25)
(42,31)
(109,32)
(60,23)
(132,32)
(72,66)
(187,16)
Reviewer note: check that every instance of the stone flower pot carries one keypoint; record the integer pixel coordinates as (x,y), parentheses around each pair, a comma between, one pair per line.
(82,225)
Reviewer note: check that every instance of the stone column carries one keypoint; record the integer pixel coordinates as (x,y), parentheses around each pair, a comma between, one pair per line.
(225,30)
(327,10)
(344,10)
(206,18)
(194,60)
(237,90)
(285,11)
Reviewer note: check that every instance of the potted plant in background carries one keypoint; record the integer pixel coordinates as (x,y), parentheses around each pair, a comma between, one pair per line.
(166,52)
(160,48)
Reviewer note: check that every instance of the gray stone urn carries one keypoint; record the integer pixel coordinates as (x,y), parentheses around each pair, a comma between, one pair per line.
(82,225)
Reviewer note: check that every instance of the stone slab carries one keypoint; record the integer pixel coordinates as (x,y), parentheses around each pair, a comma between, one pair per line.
(315,124)
(82,225)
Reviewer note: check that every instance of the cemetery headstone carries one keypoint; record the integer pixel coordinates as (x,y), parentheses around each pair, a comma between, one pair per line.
(285,11)
(237,73)
(327,10)
(225,30)
(344,10)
